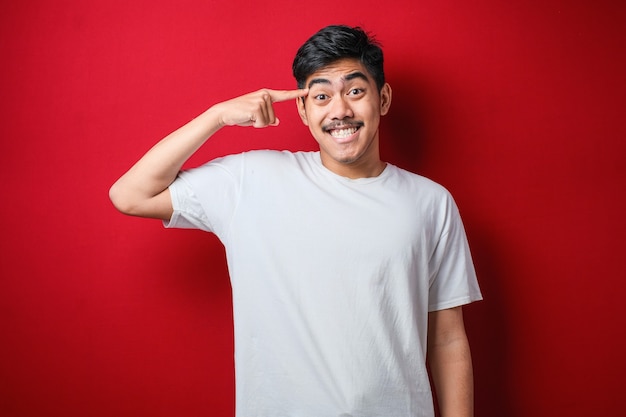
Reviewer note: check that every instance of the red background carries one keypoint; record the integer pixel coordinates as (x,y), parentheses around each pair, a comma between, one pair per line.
(517,107)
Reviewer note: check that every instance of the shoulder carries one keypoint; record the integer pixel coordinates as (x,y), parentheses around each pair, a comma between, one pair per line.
(272,161)
(268,155)
(416,183)
(235,162)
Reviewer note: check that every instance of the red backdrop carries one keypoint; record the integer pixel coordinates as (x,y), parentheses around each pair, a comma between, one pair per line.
(517,107)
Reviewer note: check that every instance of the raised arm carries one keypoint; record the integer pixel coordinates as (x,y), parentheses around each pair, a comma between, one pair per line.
(451,363)
(143,189)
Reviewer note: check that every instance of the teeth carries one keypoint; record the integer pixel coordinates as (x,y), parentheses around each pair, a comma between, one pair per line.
(343,133)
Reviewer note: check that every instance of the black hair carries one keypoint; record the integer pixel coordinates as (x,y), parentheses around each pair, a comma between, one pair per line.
(336,42)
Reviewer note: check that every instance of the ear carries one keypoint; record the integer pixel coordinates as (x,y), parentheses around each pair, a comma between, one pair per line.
(302,110)
(385,99)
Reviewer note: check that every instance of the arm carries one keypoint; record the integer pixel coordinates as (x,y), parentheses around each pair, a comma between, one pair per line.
(143,190)
(450,363)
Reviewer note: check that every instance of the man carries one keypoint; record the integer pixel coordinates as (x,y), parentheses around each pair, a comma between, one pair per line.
(348,273)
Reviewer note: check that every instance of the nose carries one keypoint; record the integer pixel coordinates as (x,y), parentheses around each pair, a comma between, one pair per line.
(340,108)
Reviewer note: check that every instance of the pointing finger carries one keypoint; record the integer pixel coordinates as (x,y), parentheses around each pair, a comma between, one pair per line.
(284,95)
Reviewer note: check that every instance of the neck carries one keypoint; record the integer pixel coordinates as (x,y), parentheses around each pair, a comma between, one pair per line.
(355,170)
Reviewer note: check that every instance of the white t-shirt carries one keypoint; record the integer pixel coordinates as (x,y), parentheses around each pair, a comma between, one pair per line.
(332,280)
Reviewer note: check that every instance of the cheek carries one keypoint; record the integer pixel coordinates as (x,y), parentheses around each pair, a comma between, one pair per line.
(371,112)
(313,118)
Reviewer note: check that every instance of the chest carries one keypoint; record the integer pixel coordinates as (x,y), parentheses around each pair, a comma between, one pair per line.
(335,221)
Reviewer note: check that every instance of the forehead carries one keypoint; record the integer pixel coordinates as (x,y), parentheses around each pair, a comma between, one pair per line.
(340,71)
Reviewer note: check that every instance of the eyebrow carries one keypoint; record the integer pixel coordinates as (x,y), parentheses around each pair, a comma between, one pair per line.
(349,77)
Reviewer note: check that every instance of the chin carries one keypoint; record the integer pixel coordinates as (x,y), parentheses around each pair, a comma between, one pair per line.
(347,159)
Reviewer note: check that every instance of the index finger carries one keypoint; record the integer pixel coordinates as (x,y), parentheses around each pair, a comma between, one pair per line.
(284,95)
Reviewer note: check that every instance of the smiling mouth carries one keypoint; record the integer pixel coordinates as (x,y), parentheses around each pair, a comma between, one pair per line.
(342,131)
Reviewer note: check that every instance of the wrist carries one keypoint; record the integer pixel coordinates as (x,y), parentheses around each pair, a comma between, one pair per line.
(213,119)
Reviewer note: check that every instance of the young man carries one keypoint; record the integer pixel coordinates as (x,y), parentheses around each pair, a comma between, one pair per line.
(348,273)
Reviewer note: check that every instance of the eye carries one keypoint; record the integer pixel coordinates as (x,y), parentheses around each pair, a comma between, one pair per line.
(320,97)
(355,91)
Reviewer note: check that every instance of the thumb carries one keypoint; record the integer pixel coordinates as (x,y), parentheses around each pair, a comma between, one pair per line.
(276,122)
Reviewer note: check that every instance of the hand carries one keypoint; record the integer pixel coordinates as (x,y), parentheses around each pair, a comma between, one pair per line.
(255,109)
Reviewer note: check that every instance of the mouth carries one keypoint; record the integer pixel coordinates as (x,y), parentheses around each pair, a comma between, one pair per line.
(343,130)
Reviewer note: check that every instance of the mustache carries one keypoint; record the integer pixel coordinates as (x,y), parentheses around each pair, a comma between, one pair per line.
(342,124)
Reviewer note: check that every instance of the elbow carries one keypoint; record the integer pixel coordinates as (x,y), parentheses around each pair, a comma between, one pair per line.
(120,199)
(132,202)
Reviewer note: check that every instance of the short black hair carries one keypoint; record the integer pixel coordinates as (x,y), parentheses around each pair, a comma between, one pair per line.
(336,42)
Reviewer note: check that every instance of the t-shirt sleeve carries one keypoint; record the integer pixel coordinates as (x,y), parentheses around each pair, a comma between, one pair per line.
(206,197)
(453,279)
